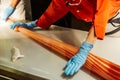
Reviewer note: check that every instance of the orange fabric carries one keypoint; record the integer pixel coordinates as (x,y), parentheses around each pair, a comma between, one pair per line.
(96,11)
(56,10)
(106,9)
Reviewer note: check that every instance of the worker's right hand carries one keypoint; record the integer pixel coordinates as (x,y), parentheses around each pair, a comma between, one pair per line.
(78,60)
(29,25)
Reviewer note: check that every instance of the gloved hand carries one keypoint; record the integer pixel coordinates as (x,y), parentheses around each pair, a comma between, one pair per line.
(78,60)
(29,25)
(8,12)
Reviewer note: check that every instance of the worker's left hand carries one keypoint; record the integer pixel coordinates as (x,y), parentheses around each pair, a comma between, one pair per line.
(8,12)
(78,60)
(29,25)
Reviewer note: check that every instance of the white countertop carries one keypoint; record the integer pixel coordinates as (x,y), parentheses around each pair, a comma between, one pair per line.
(42,62)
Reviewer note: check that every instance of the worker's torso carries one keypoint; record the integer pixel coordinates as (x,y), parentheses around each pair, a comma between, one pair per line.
(87,8)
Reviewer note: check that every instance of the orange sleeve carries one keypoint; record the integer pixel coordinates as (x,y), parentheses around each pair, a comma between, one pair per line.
(56,10)
(101,17)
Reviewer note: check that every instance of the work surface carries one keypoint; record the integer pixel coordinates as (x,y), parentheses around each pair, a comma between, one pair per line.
(42,62)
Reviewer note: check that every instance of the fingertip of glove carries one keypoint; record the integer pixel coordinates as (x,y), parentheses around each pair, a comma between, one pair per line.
(12,27)
(65,73)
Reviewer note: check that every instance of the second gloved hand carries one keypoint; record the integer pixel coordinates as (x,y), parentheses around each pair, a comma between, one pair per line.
(8,12)
(78,60)
(29,25)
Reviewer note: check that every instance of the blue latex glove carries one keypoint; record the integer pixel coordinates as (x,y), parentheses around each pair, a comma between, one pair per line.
(78,60)
(29,25)
(8,12)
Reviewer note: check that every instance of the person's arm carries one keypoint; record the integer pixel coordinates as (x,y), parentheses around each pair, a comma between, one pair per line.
(10,9)
(48,17)
(97,31)
(14,3)
(91,38)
